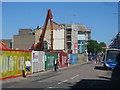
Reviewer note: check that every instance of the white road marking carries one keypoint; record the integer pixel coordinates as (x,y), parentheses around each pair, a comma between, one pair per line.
(53,87)
(63,81)
(74,77)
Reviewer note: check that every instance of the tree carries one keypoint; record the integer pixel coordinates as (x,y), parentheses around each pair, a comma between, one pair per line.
(94,47)
(102,44)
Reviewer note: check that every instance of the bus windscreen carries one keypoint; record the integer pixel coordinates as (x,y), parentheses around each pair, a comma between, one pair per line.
(113,55)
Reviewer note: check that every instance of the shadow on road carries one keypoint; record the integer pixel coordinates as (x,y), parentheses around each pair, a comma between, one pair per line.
(113,82)
(102,68)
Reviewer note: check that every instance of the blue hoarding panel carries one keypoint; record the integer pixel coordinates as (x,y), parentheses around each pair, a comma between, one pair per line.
(73,58)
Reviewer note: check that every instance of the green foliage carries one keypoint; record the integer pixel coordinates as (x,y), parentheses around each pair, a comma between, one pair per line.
(94,47)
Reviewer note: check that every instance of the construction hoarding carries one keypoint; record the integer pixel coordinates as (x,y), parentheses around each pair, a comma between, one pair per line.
(37,61)
(63,59)
(13,62)
(80,58)
(49,58)
(73,58)
(85,57)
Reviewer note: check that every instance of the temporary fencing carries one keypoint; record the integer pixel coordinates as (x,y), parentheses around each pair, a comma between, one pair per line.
(49,58)
(38,61)
(12,62)
(73,58)
(63,59)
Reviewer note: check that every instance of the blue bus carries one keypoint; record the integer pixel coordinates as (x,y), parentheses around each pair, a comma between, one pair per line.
(112,59)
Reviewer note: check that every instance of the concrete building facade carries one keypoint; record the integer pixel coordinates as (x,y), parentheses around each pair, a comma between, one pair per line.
(24,40)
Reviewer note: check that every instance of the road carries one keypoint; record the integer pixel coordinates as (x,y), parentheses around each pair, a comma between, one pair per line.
(87,75)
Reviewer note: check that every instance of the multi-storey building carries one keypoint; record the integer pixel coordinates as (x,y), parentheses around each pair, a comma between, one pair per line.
(76,37)
(116,40)
(84,35)
(71,43)
(24,40)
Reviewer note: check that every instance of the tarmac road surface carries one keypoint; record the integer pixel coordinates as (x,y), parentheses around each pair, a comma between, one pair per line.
(87,75)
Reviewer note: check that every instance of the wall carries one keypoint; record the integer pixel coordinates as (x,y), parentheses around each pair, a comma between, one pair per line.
(58,39)
(23,41)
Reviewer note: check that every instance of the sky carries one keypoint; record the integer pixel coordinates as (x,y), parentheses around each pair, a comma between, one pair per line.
(100,17)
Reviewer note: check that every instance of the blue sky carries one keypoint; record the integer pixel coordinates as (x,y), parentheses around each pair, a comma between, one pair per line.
(97,16)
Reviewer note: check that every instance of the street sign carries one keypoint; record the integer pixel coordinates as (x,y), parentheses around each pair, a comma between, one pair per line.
(105,47)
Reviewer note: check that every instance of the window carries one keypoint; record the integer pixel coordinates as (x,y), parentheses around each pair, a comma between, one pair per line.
(81,41)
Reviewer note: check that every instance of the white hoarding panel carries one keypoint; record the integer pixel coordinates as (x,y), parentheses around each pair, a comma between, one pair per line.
(37,61)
